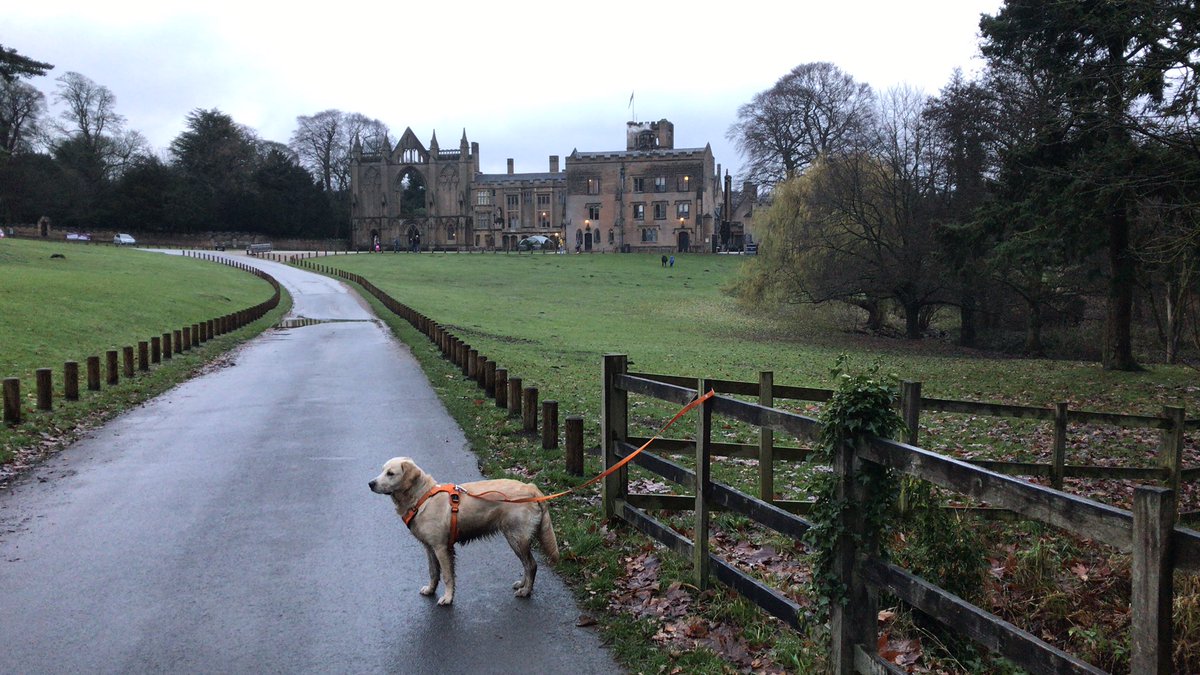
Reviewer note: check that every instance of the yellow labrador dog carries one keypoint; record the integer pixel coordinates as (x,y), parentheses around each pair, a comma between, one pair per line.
(441,515)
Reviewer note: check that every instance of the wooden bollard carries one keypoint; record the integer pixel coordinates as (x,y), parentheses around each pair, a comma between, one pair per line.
(44,380)
(71,380)
(93,373)
(472,364)
(197,338)
(178,341)
(143,355)
(111,361)
(549,425)
(501,387)
(575,445)
(127,361)
(529,411)
(155,349)
(12,400)
(211,331)
(514,396)
(489,378)
(166,345)
(481,371)
(187,338)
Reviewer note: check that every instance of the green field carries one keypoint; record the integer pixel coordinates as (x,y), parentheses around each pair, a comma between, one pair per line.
(550,318)
(97,298)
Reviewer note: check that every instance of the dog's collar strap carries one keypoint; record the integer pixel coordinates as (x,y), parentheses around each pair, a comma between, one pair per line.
(455,492)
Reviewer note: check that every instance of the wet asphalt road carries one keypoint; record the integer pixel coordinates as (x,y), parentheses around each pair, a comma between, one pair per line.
(227,527)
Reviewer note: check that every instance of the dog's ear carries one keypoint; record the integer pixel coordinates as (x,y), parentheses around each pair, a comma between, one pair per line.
(408,473)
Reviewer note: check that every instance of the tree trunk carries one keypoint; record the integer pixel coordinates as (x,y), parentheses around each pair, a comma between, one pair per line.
(912,321)
(1033,331)
(1118,342)
(966,320)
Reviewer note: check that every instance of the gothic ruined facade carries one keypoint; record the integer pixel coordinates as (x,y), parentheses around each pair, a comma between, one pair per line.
(650,197)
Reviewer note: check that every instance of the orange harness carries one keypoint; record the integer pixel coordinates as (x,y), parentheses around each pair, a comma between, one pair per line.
(455,492)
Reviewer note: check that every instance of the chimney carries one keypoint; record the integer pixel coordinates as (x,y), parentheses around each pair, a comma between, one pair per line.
(510,166)
(553,163)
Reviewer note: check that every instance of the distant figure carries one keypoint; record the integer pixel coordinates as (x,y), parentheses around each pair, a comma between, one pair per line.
(672,261)
(664,260)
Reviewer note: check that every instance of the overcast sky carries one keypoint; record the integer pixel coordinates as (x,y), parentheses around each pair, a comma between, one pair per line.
(525,78)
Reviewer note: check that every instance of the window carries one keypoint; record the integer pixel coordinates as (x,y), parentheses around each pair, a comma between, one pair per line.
(543,200)
(514,201)
(660,210)
(514,221)
(593,211)
(451,232)
(639,184)
(639,211)
(483,197)
(649,235)
(611,236)
(593,186)
(684,184)
(482,220)
(544,220)
(660,184)
(683,210)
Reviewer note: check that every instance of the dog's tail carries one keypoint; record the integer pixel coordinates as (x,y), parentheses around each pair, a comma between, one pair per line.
(546,535)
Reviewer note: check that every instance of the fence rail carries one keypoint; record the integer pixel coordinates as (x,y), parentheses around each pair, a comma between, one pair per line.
(1158,546)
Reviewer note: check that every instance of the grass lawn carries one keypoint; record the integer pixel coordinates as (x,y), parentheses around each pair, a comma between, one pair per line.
(549,318)
(97,298)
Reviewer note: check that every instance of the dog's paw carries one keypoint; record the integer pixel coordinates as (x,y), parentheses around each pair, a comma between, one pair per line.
(427,590)
(445,600)
(523,592)
(518,583)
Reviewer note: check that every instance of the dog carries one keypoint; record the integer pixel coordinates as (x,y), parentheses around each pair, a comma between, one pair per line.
(482,511)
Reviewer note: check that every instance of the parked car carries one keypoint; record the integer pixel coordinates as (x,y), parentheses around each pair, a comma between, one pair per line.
(123,239)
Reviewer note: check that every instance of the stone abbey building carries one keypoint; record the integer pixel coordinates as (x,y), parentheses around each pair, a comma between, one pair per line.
(650,196)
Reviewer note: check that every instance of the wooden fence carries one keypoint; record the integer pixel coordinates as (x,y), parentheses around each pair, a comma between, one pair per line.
(153,350)
(1158,545)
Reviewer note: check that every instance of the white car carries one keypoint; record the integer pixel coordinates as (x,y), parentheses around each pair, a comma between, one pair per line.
(123,239)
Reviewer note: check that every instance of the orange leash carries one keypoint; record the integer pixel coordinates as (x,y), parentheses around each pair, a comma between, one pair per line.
(615,467)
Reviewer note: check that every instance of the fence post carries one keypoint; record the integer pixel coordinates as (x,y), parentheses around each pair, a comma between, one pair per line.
(143,355)
(852,624)
(549,425)
(514,396)
(703,489)
(1172,446)
(187,338)
(12,400)
(614,428)
(155,349)
(1059,458)
(44,380)
(111,362)
(1153,580)
(178,341)
(575,445)
(766,439)
(910,406)
(166,345)
(472,364)
(127,361)
(93,373)
(489,378)
(501,387)
(481,362)
(529,411)
(71,380)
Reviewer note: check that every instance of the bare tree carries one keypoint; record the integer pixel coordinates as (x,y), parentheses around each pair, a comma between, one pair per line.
(93,139)
(323,143)
(21,108)
(812,111)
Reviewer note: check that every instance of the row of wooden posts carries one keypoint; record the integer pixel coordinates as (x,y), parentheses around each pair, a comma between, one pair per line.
(508,391)
(122,363)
